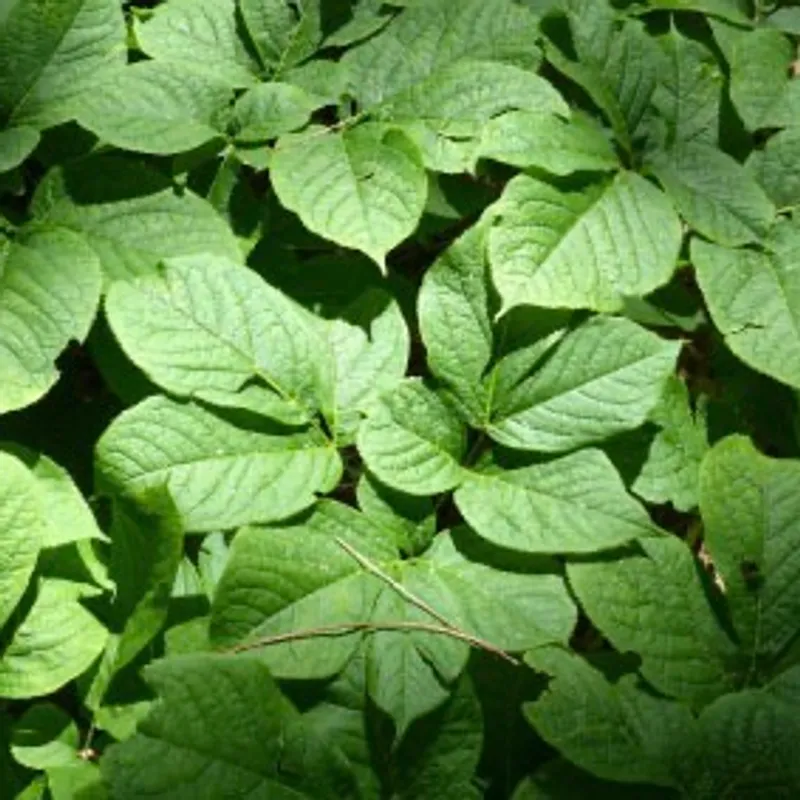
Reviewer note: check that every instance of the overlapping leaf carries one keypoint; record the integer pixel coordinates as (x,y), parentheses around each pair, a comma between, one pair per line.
(753,299)
(586,248)
(219,475)
(749,507)
(49,291)
(131,215)
(364,187)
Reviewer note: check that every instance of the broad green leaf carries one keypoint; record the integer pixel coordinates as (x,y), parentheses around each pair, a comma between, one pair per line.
(324,588)
(777,167)
(671,473)
(618,67)
(715,194)
(654,604)
(547,142)
(455,297)
(561,780)
(575,504)
(367,350)
(582,249)
(284,32)
(146,549)
(785,19)
(22,531)
(413,440)
(219,475)
(751,517)
(754,300)
(363,187)
(80,779)
(304,557)
(428,36)
(269,110)
(617,731)
(446,113)
(131,215)
(203,35)
(158,107)
(342,716)
(44,737)
(56,640)
(223,729)
(759,63)
(16,144)
(732,10)
(604,378)
(689,92)
(65,516)
(49,291)
(412,520)
(745,745)
(204,327)
(368,18)
(48,51)
(439,755)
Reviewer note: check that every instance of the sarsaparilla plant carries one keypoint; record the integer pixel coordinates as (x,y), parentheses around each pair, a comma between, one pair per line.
(398,399)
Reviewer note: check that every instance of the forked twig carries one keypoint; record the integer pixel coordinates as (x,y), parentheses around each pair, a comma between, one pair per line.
(345,628)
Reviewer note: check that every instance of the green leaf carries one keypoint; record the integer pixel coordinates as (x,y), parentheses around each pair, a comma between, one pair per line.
(582,249)
(203,35)
(618,67)
(131,215)
(671,473)
(208,328)
(412,440)
(428,36)
(752,532)
(22,531)
(146,550)
(777,167)
(219,475)
(305,558)
(604,378)
(269,110)
(368,348)
(49,51)
(745,745)
(55,641)
(732,10)
(45,737)
(412,520)
(548,142)
(655,605)
(16,144)
(284,32)
(754,300)
(715,194)
(759,63)
(446,113)
(49,291)
(617,731)
(362,187)
(158,107)
(223,729)
(65,516)
(455,296)
(325,590)
(575,504)
(439,755)
(80,779)
(689,92)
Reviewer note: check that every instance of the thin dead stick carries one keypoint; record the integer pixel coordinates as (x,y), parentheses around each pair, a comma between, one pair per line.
(354,627)
(372,567)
